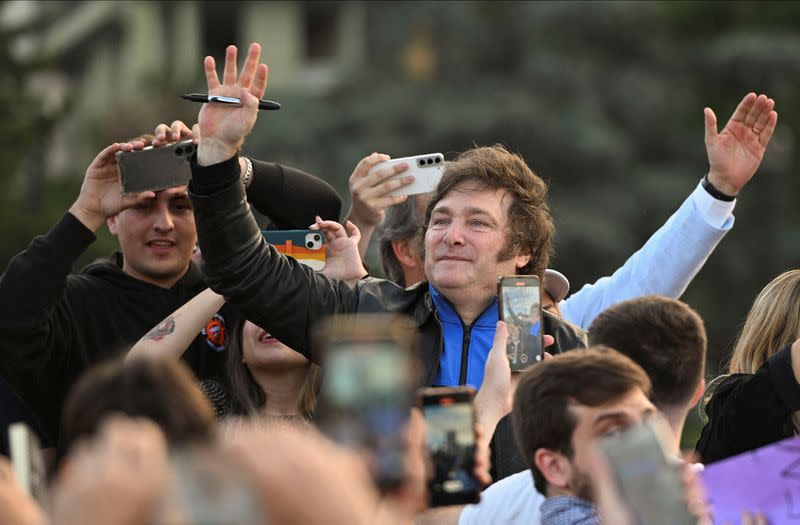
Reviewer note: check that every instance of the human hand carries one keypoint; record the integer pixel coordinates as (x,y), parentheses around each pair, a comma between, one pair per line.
(17,507)
(369,192)
(342,260)
(222,127)
(735,153)
(101,195)
(168,133)
(114,478)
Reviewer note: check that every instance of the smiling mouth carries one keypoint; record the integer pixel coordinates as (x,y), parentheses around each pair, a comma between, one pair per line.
(161,244)
(266,338)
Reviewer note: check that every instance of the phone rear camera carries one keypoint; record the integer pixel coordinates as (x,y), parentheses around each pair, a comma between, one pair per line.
(317,238)
(179,150)
(309,245)
(421,162)
(438,160)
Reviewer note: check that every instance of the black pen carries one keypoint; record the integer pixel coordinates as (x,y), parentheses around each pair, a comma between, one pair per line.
(234,101)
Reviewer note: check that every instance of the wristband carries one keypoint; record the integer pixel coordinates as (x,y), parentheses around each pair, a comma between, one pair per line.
(714,192)
(248,173)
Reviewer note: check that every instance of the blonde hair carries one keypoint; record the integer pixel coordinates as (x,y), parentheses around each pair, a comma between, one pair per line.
(772,323)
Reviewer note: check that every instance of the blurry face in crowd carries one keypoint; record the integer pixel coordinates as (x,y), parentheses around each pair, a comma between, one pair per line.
(596,422)
(549,305)
(157,237)
(465,236)
(261,350)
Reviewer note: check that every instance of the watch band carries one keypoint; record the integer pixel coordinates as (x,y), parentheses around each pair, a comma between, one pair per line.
(714,192)
(247,174)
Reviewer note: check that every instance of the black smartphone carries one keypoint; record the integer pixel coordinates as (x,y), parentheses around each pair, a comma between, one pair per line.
(28,461)
(368,380)
(520,306)
(649,480)
(450,440)
(153,169)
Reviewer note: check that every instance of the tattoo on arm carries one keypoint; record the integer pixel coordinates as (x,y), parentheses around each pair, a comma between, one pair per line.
(166,327)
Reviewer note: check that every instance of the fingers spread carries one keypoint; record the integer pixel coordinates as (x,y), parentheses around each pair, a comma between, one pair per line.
(210,68)
(230,73)
(250,64)
(260,84)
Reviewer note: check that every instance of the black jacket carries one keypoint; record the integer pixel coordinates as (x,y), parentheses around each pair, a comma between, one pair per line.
(56,325)
(748,411)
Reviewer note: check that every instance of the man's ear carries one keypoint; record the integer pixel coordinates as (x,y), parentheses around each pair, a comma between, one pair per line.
(405,253)
(521,260)
(111,222)
(555,468)
(697,395)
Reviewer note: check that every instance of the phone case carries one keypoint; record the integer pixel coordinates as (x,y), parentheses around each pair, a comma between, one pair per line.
(305,246)
(153,169)
(426,169)
(519,305)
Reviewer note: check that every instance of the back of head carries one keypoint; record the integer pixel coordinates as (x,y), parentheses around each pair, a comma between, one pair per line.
(161,390)
(772,323)
(540,414)
(663,336)
(400,222)
(530,226)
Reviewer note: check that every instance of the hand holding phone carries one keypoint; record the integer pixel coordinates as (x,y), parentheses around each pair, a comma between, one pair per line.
(426,169)
(519,299)
(450,440)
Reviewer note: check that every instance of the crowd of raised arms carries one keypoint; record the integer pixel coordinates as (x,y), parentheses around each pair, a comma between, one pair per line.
(200,375)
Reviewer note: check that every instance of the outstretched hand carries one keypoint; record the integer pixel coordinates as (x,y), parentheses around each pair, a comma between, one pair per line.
(342,260)
(735,153)
(101,195)
(223,127)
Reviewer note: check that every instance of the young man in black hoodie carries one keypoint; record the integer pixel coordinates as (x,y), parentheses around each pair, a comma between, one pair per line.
(56,324)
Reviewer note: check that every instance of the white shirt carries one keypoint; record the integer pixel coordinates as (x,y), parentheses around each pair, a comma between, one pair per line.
(511,501)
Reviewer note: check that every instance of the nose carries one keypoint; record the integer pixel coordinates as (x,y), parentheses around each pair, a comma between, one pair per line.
(454,236)
(162,221)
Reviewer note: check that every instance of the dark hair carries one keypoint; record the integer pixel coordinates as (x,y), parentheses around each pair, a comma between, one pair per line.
(246,395)
(400,222)
(540,415)
(530,226)
(158,389)
(662,335)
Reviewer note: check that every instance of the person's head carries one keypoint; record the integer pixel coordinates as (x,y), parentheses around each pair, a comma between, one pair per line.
(157,237)
(555,288)
(398,240)
(563,405)
(488,217)
(666,338)
(253,349)
(772,323)
(161,390)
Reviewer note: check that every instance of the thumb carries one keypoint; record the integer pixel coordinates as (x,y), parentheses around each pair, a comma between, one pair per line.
(352,230)
(710,124)
(501,336)
(196,134)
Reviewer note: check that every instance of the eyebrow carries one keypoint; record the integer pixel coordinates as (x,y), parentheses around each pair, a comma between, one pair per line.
(469,211)
(180,196)
(620,415)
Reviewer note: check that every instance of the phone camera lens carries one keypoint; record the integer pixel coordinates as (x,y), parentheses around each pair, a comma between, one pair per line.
(438,160)
(309,245)
(179,150)
(317,238)
(421,162)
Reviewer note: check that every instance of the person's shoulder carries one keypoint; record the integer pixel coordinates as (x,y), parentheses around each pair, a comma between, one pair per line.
(512,500)
(567,336)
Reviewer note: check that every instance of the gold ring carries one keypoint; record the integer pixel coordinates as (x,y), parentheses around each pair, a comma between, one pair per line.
(757,131)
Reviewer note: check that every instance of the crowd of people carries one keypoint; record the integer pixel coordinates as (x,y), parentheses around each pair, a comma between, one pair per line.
(177,381)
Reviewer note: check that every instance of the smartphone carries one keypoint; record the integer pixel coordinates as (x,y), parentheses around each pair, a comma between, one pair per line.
(153,169)
(306,246)
(426,169)
(520,306)
(450,440)
(648,479)
(28,461)
(367,391)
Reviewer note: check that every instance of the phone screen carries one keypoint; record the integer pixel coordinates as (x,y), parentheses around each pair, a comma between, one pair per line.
(366,396)
(520,308)
(649,481)
(450,441)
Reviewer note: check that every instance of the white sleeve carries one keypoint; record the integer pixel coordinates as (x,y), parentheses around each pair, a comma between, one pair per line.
(665,265)
(511,501)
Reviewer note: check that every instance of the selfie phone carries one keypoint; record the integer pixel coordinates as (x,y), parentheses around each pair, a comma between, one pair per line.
(450,440)
(648,480)
(305,246)
(426,169)
(367,391)
(520,306)
(153,169)
(28,461)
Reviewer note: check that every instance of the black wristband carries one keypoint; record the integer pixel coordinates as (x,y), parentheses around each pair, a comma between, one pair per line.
(714,192)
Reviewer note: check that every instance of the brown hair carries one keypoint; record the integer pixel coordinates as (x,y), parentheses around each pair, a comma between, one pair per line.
(530,226)
(663,336)
(540,415)
(246,395)
(158,389)
(772,323)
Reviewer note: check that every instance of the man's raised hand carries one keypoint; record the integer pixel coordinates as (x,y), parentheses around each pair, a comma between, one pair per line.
(735,153)
(223,127)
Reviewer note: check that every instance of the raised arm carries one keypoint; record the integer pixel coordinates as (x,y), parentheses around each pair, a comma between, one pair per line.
(680,248)
(170,338)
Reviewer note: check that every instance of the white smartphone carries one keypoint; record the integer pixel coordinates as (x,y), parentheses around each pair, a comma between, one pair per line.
(28,462)
(426,169)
